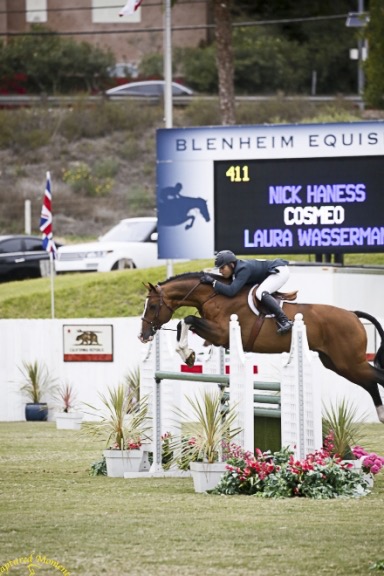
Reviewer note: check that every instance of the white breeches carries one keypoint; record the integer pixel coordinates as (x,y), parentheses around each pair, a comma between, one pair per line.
(273,282)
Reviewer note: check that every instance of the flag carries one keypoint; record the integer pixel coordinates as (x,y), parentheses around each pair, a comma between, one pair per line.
(46,219)
(130,7)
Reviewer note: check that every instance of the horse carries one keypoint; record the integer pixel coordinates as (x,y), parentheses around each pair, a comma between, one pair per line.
(335,333)
(177,210)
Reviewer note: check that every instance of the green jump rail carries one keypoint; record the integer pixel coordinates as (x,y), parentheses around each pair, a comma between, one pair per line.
(215,378)
(224,379)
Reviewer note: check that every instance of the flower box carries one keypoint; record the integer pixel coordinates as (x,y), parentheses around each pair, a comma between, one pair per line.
(68,420)
(206,475)
(121,461)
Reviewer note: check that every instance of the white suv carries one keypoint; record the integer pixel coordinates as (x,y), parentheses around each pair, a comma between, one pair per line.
(130,244)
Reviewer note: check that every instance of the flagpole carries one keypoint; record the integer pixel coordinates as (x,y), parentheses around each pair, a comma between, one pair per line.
(52,267)
(168,111)
(46,229)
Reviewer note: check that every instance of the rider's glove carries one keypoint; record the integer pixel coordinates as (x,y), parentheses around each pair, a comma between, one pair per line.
(207,279)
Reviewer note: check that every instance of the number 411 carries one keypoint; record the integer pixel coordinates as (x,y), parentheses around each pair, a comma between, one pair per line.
(238,174)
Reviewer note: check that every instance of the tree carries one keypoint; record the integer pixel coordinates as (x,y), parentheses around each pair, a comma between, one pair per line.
(224,59)
(53,64)
(374,92)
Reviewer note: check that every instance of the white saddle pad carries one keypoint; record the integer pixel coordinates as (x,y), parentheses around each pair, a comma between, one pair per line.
(253,307)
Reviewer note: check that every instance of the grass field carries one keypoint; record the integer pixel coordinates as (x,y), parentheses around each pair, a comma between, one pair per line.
(51,507)
(109,294)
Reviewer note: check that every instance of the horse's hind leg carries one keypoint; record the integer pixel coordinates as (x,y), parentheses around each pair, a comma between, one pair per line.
(367,378)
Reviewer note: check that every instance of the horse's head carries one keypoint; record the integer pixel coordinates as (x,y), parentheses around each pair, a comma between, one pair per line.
(203,207)
(156,313)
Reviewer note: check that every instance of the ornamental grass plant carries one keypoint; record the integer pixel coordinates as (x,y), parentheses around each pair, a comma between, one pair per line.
(37,384)
(204,427)
(122,424)
(341,422)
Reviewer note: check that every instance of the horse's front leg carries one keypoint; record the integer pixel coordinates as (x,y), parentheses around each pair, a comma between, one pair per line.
(187,354)
(206,329)
(191,221)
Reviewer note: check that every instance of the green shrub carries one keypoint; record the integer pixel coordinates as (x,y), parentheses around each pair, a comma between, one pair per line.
(82,180)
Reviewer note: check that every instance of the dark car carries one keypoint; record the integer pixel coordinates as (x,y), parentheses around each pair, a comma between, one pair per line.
(22,257)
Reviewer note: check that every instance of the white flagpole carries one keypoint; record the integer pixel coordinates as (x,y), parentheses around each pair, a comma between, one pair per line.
(52,269)
(168,100)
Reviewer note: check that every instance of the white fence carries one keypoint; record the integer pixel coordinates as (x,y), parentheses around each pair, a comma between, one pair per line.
(43,340)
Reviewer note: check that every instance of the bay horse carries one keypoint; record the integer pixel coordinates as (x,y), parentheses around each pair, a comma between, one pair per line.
(335,333)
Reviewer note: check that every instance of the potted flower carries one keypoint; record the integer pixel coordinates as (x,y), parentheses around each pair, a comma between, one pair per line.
(370,462)
(37,385)
(67,417)
(203,437)
(123,426)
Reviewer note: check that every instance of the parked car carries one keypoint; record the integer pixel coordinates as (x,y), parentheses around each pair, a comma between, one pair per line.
(148,89)
(132,243)
(22,257)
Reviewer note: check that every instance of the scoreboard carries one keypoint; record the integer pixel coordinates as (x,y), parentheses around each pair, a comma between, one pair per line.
(279,189)
(311,205)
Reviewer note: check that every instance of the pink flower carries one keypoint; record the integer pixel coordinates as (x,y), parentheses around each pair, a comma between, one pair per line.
(359,452)
(371,463)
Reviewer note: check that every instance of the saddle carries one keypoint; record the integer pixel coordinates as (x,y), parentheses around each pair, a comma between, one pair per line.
(257,307)
(261,312)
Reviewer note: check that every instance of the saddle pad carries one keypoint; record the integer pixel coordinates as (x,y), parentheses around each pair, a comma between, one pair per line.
(251,303)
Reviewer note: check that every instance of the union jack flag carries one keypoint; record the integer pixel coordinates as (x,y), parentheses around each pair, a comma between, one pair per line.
(46,219)
(130,7)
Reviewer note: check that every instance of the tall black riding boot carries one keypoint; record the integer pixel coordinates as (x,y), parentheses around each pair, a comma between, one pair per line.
(284,325)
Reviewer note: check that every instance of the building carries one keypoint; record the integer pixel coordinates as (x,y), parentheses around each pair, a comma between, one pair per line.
(97,22)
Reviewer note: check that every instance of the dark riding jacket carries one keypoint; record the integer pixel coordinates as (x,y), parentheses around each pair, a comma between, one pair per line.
(248,272)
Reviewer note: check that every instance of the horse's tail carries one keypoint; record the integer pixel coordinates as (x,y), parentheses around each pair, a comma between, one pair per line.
(378,361)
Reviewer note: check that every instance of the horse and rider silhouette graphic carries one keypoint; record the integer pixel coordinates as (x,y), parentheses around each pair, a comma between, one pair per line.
(175,209)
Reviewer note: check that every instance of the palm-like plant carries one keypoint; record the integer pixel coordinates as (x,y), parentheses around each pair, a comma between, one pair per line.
(132,382)
(37,382)
(66,397)
(123,422)
(203,437)
(339,421)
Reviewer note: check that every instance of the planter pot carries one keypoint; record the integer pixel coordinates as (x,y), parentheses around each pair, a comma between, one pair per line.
(121,461)
(68,420)
(206,476)
(357,467)
(36,412)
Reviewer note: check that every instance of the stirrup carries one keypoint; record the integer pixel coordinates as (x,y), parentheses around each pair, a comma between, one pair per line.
(286,327)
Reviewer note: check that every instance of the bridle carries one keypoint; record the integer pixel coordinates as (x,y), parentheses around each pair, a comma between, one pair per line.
(155,326)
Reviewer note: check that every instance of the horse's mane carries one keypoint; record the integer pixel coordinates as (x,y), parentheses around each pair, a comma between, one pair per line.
(181,277)
(190,276)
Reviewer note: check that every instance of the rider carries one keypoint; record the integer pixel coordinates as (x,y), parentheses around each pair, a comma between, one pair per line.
(171,192)
(269,274)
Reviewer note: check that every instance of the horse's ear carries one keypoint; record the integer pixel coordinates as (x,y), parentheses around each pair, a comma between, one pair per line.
(149,286)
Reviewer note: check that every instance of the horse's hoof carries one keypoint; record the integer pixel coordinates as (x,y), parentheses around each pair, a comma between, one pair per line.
(190,361)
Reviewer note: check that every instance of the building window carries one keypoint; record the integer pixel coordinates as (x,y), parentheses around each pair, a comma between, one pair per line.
(36,11)
(104,11)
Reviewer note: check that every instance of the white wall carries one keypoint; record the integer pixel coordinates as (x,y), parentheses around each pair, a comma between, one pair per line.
(42,340)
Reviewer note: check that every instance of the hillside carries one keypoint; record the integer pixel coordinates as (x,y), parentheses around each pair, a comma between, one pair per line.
(102,157)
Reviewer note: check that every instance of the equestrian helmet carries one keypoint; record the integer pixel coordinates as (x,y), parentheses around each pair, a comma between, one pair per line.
(224,257)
